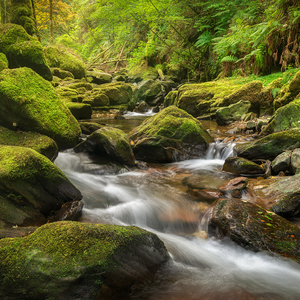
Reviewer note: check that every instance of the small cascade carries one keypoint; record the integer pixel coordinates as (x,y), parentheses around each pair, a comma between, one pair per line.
(219,150)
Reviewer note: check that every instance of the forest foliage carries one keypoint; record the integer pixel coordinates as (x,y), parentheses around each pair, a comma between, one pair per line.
(197,39)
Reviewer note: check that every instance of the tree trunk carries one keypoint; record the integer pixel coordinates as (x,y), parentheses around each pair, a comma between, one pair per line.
(4,6)
(51,21)
(35,22)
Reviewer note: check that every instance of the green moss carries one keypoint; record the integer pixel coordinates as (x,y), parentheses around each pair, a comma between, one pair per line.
(38,142)
(60,58)
(3,62)
(30,103)
(80,110)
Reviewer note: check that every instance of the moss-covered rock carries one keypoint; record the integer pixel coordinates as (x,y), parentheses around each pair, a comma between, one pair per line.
(3,62)
(142,107)
(30,103)
(21,13)
(67,94)
(80,110)
(282,162)
(70,260)
(151,92)
(109,142)
(270,146)
(285,118)
(30,179)
(233,112)
(89,127)
(171,99)
(99,77)
(170,135)
(36,141)
(22,50)
(61,58)
(255,228)
(61,73)
(242,166)
(117,93)
(97,99)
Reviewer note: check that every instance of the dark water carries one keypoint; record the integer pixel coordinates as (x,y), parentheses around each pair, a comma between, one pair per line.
(156,200)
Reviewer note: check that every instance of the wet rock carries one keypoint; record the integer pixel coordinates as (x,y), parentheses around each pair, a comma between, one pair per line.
(156,109)
(282,162)
(255,228)
(151,92)
(231,113)
(170,135)
(71,259)
(70,211)
(270,146)
(238,183)
(143,107)
(251,125)
(204,195)
(295,161)
(242,166)
(109,142)
(89,127)
(203,182)
(29,181)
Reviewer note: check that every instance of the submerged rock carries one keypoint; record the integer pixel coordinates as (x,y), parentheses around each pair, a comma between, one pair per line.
(109,142)
(30,103)
(70,260)
(171,135)
(30,180)
(255,228)
(270,146)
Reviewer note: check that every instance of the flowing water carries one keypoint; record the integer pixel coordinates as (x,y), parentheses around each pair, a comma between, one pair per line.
(156,200)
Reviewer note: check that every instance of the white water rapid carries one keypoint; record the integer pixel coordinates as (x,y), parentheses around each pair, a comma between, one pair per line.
(156,200)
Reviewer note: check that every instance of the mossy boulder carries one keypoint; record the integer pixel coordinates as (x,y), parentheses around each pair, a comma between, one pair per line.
(109,142)
(254,228)
(70,260)
(30,103)
(62,74)
(285,118)
(89,127)
(80,110)
(151,92)
(67,94)
(171,135)
(21,14)
(32,180)
(99,77)
(171,99)
(270,146)
(36,141)
(242,166)
(117,93)
(97,99)
(22,50)
(3,62)
(61,58)
(233,112)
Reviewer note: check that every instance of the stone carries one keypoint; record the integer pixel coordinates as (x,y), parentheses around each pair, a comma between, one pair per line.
(23,90)
(295,161)
(71,259)
(61,73)
(282,162)
(269,146)
(110,142)
(89,127)
(241,166)
(238,183)
(150,91)
(99,77)
(170,135)
(58,57)
(171,98)
(233,112)
(80,110)
(142,108)
(254,228)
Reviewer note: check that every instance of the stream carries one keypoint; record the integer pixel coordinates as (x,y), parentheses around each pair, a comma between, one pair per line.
(156,200)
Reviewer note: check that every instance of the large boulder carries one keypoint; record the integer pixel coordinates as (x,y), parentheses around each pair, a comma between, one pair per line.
(30,103)
(254,228)
(285,118)
(99,77)
(61,58)
(171,135)
(36,141)
(67,260)
(270,146)
(30,180)
(233,112)
(22,50)
(109,142)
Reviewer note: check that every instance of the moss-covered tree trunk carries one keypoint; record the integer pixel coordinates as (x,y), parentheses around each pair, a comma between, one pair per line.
(4,8)
(22,14)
